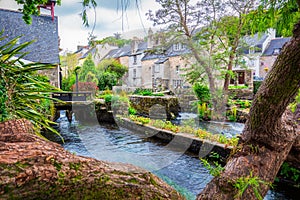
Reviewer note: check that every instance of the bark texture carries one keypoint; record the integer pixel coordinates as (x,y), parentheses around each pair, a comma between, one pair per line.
(32,168)
(270,132)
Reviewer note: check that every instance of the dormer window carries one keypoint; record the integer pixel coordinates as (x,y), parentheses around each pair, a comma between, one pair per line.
(177,46)
(276,51)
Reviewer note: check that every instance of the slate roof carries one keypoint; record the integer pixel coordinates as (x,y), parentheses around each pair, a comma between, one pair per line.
(90,51)
(276,43)
(151,56)
(255,40)
(171,52)
(120,52)
(161,60)
(43,30)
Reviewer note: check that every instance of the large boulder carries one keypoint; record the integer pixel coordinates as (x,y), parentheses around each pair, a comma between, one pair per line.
(33,168)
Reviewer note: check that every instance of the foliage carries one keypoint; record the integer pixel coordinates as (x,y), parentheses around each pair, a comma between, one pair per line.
(30,8)
(294,105)
(85,86)
(88,67)
(254,182)
(167,125)
(107,80)
(146,92)
(68,82)
(289,172)
(107,98)
(215,169)
(204,111)
(233,114)
(234,87)
(112,66)
(25,93)
(131,111)
(68,63)
(110,72)
(202,92)
(113,40)
(143,92)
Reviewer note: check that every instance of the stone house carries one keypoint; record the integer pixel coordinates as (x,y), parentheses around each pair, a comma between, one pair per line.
(98,53)
(44,32)
(122,56)
(270,55)
(251,49)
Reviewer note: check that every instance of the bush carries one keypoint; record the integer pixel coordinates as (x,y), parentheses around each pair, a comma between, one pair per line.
(143,92)
(202,92)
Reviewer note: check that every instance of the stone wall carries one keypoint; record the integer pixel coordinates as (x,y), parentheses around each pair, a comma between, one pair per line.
(144,104)
(186,99)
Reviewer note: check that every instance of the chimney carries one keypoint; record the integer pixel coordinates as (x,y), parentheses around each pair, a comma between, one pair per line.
(135,44)
(150,39)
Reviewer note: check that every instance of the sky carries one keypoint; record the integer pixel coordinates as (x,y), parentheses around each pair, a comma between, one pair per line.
(108,20)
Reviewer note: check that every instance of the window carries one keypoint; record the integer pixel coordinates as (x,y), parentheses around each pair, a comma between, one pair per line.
(157,68)
(177,69)
(134,59)
(177,46)
(134,73)
(177,83)
(276,51)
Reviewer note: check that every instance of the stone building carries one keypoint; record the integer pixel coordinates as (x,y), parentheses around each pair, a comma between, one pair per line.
(252,47)
(270,55)
(43,31)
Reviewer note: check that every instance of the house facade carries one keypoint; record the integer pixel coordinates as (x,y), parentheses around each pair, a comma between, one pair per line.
(270,55)
(252,48)
(43,31)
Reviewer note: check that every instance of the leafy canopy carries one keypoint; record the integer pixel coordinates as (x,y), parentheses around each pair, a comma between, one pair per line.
(24,93)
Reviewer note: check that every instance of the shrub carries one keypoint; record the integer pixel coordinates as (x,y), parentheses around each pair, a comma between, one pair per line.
(131,111)
(202,92)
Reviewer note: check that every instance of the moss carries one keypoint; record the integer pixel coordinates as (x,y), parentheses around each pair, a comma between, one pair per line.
(75,166)
(133,180)
(152,181)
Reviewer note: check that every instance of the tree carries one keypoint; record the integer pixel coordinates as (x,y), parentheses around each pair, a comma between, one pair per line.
(24,93)
(214,45)
(270,132)
(110,72)
(68,63)
(112,40)
(88,67)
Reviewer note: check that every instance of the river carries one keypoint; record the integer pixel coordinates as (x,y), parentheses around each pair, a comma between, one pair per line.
(183,171)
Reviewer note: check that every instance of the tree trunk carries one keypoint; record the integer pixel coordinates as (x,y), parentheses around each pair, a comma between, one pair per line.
(268,135)
(32,168)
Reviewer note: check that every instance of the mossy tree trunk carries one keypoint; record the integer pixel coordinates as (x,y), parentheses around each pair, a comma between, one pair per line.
(269,134)
(32,168)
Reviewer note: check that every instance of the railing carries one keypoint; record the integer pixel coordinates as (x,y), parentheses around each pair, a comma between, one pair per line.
(72,96)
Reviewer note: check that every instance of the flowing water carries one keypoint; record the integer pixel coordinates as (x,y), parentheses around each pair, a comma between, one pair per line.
(184,172)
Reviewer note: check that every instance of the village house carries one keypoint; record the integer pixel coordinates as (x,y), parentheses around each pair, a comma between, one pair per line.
(43,31)
(270,55)
(252,47)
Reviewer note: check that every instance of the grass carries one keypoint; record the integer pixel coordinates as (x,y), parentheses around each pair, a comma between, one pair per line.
(202,134)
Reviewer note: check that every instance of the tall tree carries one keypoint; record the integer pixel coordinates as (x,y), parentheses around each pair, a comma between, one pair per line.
(270,132)
(214,44)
